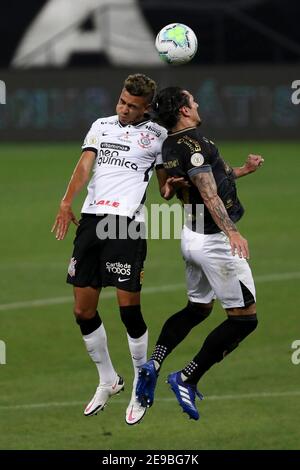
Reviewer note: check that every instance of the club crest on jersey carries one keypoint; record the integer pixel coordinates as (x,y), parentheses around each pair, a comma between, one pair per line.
(197,159)
(71,268)
(145,141)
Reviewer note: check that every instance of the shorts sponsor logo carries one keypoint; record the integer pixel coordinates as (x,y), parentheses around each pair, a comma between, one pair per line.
(141,277)
(119,268)
(71,268)
(197,159)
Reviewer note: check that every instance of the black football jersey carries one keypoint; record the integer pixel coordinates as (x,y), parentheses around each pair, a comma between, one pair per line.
(186,153)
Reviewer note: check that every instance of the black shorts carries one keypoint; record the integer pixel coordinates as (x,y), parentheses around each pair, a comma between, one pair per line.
(100,262)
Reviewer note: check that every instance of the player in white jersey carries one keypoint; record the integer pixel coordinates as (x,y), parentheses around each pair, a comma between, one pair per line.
(122,150)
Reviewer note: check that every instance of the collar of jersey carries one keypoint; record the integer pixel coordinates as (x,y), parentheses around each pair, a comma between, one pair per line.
(134,125)
(182,130)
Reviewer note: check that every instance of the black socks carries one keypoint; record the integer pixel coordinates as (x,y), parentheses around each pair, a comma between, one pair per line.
(177,327)
(220,342)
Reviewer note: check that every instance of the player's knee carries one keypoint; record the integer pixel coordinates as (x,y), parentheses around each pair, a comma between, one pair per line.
(252,322)
(88,324)
(245,324)
(241,327)
(83,313)
(194,313)
(132,318)
(199,309)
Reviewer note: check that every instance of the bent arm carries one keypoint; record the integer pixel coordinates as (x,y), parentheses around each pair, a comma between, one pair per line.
(252,163)
(169,184)
(166,188)
(207,187)
(206,184)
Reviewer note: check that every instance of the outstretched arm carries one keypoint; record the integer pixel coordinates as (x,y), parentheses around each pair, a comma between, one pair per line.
(207,187)
(78,180)
(252,163)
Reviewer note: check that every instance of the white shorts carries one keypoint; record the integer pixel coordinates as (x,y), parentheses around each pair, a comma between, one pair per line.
(212,272)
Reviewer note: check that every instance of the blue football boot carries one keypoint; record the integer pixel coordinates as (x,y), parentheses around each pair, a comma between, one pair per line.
(146,384)
(185,394)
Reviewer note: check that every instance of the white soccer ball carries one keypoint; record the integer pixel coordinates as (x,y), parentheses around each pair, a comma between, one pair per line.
(176,43)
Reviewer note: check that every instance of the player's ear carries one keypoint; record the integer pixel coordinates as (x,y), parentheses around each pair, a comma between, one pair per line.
(148,110)
(185,111)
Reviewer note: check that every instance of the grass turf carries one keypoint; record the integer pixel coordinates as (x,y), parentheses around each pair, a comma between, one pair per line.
(252,397)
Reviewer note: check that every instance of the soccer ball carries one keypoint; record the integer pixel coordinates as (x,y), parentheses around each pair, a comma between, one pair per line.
(176,43)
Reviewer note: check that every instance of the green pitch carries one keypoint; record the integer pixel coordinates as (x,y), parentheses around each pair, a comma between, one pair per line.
(252,398)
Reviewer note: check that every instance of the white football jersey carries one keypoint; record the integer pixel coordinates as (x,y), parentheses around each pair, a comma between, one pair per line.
(124,162)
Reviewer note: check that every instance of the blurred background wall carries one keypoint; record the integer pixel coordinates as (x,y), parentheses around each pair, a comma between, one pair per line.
(63,63)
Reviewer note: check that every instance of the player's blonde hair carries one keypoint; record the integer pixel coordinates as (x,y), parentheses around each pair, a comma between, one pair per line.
(140,85)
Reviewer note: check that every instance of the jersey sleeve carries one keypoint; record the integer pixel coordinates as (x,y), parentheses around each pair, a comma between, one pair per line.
(194,159)
(91,140)
(159,161)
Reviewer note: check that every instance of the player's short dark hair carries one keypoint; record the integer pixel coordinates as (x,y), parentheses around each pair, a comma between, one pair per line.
(140,85)
(167,105)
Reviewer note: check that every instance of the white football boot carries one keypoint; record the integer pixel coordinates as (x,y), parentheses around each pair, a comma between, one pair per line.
(135,411)
(102,395)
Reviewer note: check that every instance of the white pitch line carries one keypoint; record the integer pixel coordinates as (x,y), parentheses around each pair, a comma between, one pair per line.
(69,299)
(147,290)
(242,396)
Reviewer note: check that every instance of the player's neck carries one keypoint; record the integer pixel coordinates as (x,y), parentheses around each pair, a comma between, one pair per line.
(184,123)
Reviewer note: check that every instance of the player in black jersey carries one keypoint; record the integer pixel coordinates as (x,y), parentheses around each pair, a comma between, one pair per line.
(215,256)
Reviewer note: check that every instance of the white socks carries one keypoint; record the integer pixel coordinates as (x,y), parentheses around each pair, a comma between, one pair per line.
(96,345)
(138,350)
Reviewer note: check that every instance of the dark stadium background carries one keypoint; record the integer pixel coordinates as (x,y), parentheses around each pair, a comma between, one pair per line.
(232,31)
(242,76)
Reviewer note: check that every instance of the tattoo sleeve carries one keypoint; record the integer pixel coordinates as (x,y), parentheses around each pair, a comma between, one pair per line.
(206,184)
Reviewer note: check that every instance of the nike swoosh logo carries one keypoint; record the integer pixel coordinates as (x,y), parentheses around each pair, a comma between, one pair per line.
(122,280)
(104,133)
(89,407)
(131,417)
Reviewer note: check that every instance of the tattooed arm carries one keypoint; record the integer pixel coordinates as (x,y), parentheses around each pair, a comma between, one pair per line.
(206,184)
